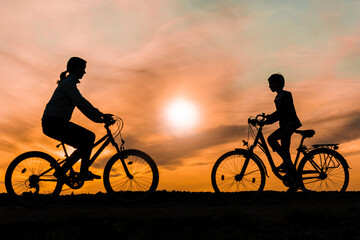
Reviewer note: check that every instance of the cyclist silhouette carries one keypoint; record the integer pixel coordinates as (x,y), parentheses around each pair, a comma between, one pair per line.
(286,115)
(56,118)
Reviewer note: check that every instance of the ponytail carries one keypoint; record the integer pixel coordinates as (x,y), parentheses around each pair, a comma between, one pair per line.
(73,64)
(62,76)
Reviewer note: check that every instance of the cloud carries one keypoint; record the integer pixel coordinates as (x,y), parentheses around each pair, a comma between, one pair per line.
(170,153)
(341,128)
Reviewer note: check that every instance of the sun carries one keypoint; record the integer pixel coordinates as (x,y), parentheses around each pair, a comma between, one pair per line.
(181,114)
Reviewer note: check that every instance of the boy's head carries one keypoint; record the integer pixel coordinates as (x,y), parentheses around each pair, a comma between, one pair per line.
(276,82)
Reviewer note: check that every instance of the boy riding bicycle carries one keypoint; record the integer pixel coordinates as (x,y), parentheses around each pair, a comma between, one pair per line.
(286,115)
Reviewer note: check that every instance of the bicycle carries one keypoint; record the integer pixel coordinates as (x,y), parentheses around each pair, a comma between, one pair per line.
(129,175)
(241,173)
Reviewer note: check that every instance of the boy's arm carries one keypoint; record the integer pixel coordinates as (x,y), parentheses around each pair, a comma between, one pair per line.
(272,118)
(283,106)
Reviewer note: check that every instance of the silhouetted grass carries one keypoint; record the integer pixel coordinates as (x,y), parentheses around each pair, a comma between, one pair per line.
(184,215)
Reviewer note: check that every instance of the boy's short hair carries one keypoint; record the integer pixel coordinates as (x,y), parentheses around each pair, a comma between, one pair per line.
(277,78)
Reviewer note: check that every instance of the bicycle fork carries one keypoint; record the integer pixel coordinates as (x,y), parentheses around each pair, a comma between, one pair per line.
(248,154)
(240,176)
(122,158)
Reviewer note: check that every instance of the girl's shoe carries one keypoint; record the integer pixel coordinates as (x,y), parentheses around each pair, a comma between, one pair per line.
(89,176)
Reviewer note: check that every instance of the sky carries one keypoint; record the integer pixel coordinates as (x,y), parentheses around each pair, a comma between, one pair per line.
(215,55)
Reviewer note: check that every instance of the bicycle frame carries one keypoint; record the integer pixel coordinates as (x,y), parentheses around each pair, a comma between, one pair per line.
(107,138)
(260,141)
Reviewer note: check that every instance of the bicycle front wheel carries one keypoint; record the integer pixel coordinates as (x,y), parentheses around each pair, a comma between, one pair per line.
(142,182)
(225,176)
(29,178)
(324,172)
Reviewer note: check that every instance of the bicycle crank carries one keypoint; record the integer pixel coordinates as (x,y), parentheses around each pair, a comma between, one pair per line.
(74,181)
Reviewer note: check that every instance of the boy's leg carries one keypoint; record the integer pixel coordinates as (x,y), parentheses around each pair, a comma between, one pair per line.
(274,144)
(285,146)
(284,135)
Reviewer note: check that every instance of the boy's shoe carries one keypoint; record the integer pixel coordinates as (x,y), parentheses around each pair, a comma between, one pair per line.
(89,176)
(292,189)
(290,182)
(283,167)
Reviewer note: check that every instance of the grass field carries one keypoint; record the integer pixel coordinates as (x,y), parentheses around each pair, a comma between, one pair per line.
(184,215)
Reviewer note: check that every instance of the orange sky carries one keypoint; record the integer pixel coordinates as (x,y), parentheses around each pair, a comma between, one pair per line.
(216,54)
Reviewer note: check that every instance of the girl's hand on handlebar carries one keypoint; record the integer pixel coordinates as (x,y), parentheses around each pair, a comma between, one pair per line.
(108,119)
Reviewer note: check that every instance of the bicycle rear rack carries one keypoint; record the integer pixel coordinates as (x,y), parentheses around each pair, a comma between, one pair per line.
(331,146)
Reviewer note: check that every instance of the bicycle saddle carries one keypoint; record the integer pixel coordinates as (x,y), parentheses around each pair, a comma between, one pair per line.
(306,133)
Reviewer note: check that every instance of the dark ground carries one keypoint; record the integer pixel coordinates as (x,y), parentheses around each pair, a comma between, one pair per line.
(184,215)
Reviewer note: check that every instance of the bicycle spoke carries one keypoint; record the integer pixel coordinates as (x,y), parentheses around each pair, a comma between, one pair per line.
(251,172)
(324,172)
(228,170)
(139,184)
(23,179)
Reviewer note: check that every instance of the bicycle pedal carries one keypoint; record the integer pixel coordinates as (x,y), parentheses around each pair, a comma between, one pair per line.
(280,169)
(90,179)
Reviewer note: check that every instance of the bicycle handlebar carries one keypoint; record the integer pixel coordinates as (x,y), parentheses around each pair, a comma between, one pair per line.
(109,122)
(258,120)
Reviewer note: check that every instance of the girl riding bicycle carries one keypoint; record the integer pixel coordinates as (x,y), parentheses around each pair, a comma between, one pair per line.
(56,118)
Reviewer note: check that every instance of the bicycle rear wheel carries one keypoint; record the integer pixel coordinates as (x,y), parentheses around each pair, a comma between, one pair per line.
(224,177)
(323,173)
(29,178)
(143,170)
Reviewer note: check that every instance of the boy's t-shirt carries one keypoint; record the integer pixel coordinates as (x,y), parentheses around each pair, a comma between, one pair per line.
(285,111)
